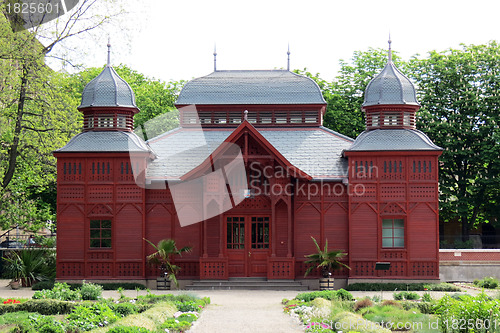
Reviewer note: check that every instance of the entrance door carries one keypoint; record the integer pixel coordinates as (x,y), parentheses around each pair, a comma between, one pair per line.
(248,244)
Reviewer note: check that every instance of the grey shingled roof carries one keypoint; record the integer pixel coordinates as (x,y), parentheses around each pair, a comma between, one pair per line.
(108,89)
(316,152)
(251,87)
(390,86)
(105,142)
(392,140)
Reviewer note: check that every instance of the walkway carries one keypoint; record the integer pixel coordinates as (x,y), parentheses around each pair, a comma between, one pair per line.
(244,311)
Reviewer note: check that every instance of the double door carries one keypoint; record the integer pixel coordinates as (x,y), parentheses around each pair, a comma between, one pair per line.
(248,244)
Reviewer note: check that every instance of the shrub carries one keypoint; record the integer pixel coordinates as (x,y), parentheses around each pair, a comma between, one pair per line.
(443,286)
(390,302)
(91,291)
(358,323)
(340,294)
(47,284)
(402,286)
(42,306)
(95,315)
(125,309)
(174,325)
(426,307)
(189,317)
(41,324)
(426,297)
(128,329)
(406,295)
(363,303)
(61,291)
(487,282)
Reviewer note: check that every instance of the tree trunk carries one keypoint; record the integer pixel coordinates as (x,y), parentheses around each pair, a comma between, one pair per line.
(465,229)
(13,150)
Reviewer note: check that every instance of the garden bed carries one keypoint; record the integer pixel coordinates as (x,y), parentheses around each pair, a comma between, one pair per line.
(63,310)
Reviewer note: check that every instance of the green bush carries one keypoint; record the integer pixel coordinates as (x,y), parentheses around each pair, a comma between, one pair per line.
(175,326)
(401,286)
(487,282)
(363,303)
(340,294)
(61,291)
(426,297)
(40,324)
(125,309)
(91,291)
(91,316)
(189,317)
(42,306)
(406,295)
(128,329)
(47,284)
(479,311)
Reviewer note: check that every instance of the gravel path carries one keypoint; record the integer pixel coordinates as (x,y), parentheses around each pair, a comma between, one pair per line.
(246,311)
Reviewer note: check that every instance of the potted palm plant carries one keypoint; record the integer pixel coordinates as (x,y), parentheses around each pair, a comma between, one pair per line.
(25,267)
(166,249)
(327,261)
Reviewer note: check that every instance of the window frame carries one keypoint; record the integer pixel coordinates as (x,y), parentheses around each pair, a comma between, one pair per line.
(92,229)
(393,237)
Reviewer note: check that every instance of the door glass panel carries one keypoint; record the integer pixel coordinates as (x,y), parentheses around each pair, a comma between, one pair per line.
(260,232)
(235,232)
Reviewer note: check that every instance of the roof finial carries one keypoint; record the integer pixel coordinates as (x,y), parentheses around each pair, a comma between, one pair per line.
(390,50)
(109,52)
(215,57)
(245,117)
(288,61)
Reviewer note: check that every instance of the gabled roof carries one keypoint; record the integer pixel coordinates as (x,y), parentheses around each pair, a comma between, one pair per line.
(315,151)
(231,139)
(105,142)
(251,87)
(393,140)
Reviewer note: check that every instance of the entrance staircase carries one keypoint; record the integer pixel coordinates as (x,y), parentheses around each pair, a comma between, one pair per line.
(246,283)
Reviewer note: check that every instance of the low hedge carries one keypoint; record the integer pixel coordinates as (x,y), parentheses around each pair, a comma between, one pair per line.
(401,286)
(340,294)
(113,285)
(42,306)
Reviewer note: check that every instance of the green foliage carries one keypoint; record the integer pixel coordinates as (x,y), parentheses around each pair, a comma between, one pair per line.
(41,324)
(488,282)
(469,314)
(359,324)
(162,258)
(91,291)
(189,317)
(41,306)
(405,295)
(47,284)
(459,91)
(426,297)
(340,294)
(30,265)
(401,286)
(88,317)
(61,291)
(175,326)
(128,329)
(325,260)
(390,302)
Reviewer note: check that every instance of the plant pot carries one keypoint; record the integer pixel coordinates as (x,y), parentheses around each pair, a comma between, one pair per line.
(163,283)
(15,285)
(326,283)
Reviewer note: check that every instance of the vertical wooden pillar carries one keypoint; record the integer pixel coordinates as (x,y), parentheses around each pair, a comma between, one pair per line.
(222,241)
(290,226)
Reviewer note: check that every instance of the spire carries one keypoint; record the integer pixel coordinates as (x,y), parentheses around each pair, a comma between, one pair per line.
(288,61)
(215,57)
(109,52)
(390,50)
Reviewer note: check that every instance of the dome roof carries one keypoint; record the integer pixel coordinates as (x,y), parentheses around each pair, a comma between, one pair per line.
(390,87)
(108,89)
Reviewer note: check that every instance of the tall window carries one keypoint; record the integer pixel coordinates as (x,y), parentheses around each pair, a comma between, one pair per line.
(393,233)
(100,233)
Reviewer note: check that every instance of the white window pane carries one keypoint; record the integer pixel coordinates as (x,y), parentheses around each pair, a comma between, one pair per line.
(386,242)
(386,232)
(399,242)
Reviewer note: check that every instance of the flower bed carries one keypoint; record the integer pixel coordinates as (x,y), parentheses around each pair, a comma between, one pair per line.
(62,310)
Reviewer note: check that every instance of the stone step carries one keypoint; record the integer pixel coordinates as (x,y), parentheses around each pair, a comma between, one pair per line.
(246,284)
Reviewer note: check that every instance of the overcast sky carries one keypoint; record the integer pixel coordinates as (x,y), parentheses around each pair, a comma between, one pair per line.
(175,39)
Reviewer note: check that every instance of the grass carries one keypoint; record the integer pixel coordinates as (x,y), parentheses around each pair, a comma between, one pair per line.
(10,319)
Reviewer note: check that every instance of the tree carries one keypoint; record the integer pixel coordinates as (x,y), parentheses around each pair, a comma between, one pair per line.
(154,98)
(459,90)
(36,116)
(326,260)
(344,95)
